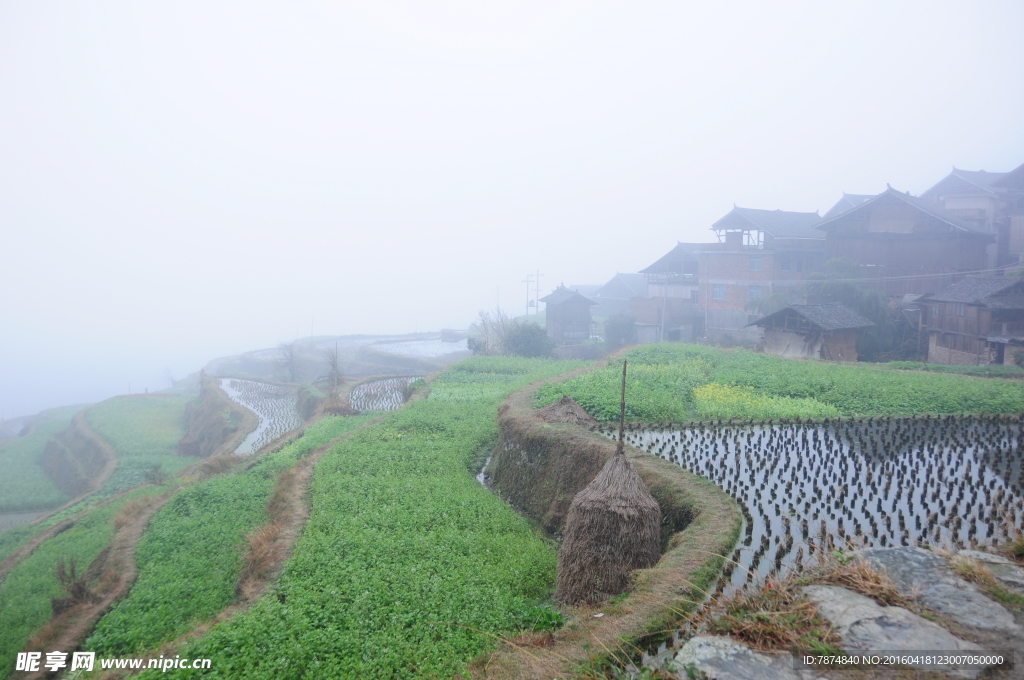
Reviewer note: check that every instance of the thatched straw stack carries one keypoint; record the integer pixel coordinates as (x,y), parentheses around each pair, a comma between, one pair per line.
(613,527)
(336,406)
(566,410)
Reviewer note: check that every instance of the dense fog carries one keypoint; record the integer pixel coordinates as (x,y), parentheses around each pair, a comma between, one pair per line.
(181,181)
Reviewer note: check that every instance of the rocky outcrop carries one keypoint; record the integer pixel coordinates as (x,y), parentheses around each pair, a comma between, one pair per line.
(1008,573)
(928,578)
(866,626)
(722,658)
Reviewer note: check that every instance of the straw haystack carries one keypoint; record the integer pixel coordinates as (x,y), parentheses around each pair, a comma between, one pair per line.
(613,527)
(566,410)
(336,406)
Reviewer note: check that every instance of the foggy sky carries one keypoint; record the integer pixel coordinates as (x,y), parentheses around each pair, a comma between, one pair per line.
(183,180)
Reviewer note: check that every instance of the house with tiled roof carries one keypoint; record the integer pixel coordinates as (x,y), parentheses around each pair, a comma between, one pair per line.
(821,331)
(906,245)
(845,203)
(976,321)
(989,200)
(758,253)
(567,316)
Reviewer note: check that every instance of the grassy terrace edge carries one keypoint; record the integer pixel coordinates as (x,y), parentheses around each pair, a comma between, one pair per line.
(538,467)
(403,553)
(682,383)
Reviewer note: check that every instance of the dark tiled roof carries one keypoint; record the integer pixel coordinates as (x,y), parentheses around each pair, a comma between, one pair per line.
(778,223)
(960,181)
(1008,300)
(974,290)
(845,203)
(635,284)
(830,317)
(672,261)
(1014,179)
(562,295)
(921,204)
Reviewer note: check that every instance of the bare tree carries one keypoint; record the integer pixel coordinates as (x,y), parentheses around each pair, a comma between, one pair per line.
(489,334)
(334,373)
(288,360)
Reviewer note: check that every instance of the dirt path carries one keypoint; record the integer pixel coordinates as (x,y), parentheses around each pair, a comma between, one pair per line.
(270,545)
(117,571)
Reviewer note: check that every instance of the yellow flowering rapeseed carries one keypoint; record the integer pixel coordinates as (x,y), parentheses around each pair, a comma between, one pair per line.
(715,400)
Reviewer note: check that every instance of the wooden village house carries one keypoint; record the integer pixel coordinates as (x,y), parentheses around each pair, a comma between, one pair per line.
(759,252)
(993,202)
(906,244)
(820,331)
(567,316)
(977,321)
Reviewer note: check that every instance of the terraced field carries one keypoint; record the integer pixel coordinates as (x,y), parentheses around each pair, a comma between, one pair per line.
(274,405)
(407,567)
(943,483)
(144,432)
(380,395)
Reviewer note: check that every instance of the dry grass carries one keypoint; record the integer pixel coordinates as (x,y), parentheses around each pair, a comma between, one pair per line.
(263,555)
(1014,548)
(130,510)
(566,410)
(773,617)
(215,465)
(613,528)
(971,571)
(856,575)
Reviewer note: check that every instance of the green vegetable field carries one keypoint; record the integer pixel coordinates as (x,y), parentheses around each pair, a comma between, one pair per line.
(144,431)
(26,590)
(683,382)
(407,566)
(190,555)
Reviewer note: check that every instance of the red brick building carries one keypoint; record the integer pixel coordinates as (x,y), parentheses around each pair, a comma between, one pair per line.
(758,253)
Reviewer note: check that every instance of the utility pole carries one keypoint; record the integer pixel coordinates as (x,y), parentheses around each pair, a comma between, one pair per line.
(536,294)
(528,281)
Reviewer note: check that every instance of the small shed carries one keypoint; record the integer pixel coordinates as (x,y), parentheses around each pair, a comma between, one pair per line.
(821,331)
(567,316)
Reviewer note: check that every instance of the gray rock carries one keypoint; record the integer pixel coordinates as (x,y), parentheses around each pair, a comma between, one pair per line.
(924,575)
(722,658)
(866,626)
(1006,571)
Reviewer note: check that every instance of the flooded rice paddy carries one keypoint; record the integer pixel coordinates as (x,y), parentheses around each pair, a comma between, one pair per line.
(274,406)
(380,395)
(950,482)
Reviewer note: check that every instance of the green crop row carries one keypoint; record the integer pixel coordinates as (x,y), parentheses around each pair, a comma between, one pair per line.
(26,591)
(991,371)
(144,431)
(662,379)
(190,556)
(407,566)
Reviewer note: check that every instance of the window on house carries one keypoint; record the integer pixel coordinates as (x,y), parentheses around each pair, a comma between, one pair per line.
(755,264)
(786,263)
(693,296)
(799,265)
(717,291)
(937,311)
(753,292)
(959,309)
